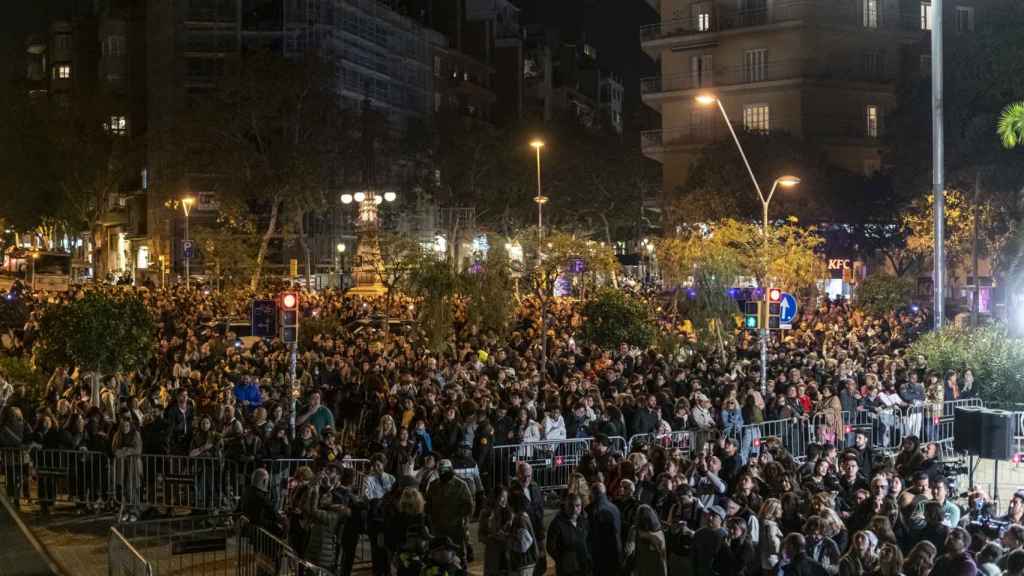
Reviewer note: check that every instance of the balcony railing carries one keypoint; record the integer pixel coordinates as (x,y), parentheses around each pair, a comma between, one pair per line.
(723,17)
(711,128)
(770,71)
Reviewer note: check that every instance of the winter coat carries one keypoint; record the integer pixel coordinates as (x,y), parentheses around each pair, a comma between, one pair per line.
(449,506)
(605,536)
(738,558)
(769,544)
(569,545)
(732,421)
(324,535)
(650,557)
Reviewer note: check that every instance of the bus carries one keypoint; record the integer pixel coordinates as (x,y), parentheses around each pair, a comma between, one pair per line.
(41,270)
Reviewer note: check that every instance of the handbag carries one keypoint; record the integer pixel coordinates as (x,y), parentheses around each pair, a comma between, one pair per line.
(519,560)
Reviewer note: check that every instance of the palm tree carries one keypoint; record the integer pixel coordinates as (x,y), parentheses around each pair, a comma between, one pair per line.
(1011,125)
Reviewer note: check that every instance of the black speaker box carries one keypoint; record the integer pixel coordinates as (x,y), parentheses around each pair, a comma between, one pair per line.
(966,429)
(998,428)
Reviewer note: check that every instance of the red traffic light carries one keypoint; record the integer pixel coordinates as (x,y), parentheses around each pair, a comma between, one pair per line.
(289,301)
(774,295)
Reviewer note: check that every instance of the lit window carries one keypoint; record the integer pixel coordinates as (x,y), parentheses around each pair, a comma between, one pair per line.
(590,51)
(964,19)
(756,118)
(871,116)
(701,14)
(117,124)
(871,13)
(62,71)
(113,46)
(926,15)
(753,64)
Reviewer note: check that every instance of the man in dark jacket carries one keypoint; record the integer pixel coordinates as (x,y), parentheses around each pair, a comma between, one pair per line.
(594,465)
(708,541)
(645,421)
(178,420)
(256,505)
(605,533)
(799,563)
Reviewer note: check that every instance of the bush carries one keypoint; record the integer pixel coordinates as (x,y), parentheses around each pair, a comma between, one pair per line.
(880,294)
(611,318)
(995,358)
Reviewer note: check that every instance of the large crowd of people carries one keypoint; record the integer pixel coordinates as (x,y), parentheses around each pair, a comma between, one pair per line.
(369,387)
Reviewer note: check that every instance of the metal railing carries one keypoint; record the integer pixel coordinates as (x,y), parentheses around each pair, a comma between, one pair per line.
(722,17)
(260,553)
(123,559)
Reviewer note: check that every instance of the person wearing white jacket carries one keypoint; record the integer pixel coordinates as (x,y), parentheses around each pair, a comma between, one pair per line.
(554,425)
(769,546)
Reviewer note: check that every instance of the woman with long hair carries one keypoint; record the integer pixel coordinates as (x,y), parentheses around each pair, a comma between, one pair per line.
(650,554)
(495,530)
(523,548)
(862,558)
(890,561)
(770,535)
(920,559)
(127,449)
(406,533)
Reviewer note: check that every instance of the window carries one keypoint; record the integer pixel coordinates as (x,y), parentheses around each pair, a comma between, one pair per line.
(871,117)
(113,46)
(701,14)
(437,66)
(62,42)
(964,19)
(753,65)
(590,51)
(873,64)
(926,15)
(62,72)
(871,13)
(117,124)
(700,71)
(756,118)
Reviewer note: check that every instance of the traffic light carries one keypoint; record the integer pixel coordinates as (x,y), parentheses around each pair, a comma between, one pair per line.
(752,315)
(289,313)
(774,308)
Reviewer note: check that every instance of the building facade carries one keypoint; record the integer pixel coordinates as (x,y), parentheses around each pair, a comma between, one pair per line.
(822,70)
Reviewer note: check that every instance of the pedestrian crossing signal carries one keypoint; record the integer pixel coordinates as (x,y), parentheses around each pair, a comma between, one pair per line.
(289,312)
(752,315)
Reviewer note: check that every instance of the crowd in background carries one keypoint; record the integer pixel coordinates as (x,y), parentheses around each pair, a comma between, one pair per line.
(371,387)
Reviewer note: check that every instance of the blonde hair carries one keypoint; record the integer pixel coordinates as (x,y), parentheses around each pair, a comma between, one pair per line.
(411,502)
(771,509)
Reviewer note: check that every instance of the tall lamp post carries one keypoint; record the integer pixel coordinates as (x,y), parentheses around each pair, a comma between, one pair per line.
(338,266)
(541,200)
(368,250)
(785,182)
(186,205)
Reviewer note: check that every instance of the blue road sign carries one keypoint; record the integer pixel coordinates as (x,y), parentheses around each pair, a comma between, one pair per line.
(188,249)
(787,310)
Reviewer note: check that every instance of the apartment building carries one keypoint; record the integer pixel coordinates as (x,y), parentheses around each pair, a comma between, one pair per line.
(824,70)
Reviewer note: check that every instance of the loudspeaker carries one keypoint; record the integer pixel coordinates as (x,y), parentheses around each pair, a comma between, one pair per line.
(998,427)
(966,429)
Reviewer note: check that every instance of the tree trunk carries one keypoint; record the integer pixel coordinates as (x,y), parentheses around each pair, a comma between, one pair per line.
(300,226)
(254,283)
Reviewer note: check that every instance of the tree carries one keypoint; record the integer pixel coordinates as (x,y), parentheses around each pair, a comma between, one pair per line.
(1011,125)
(487,289)
(994,356)
(719,187)
(959,227)
(227,251)
(100,332)
(880,294)
(611,318)
(733,250)
(272,141)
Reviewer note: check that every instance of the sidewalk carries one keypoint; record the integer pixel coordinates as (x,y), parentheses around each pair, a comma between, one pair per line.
(18,555)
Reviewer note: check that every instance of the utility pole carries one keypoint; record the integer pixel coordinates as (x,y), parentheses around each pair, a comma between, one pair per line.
(975,209)
(938,173)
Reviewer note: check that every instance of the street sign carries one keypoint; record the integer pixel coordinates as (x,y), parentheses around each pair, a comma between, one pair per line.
(787,311)
(188,249)
(293,267)
(264,318)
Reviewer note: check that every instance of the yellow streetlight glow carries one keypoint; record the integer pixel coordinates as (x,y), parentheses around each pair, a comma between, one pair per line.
(706,99)
(788,181)
(186,203)
(341,247)
(537,144)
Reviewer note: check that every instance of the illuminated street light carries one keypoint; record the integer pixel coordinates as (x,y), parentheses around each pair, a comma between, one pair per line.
(359,196)
(390,196)
(346,198)
(186,205)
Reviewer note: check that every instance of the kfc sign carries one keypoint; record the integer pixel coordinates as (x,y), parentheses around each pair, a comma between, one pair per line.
(839,263)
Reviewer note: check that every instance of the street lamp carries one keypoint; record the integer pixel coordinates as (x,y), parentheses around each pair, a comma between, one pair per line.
(368,247)
(186,205)
(706,99)
(541,199)
(340,248)
(35,256)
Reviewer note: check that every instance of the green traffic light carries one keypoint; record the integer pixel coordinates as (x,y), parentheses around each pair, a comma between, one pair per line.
(751,321)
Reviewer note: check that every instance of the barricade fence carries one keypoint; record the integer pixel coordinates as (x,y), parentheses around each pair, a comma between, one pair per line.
(132,483)
(261,553)
(123,559)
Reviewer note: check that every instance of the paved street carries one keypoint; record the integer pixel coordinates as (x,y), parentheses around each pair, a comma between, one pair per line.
(17,555)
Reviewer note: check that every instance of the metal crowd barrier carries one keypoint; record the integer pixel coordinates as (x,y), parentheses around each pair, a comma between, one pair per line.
(553,462)
(261,553)
(194,545)
(123,559)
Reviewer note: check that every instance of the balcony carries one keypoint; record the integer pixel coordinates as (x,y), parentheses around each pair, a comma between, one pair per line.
(772,71)
(722,17)
(842,130)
